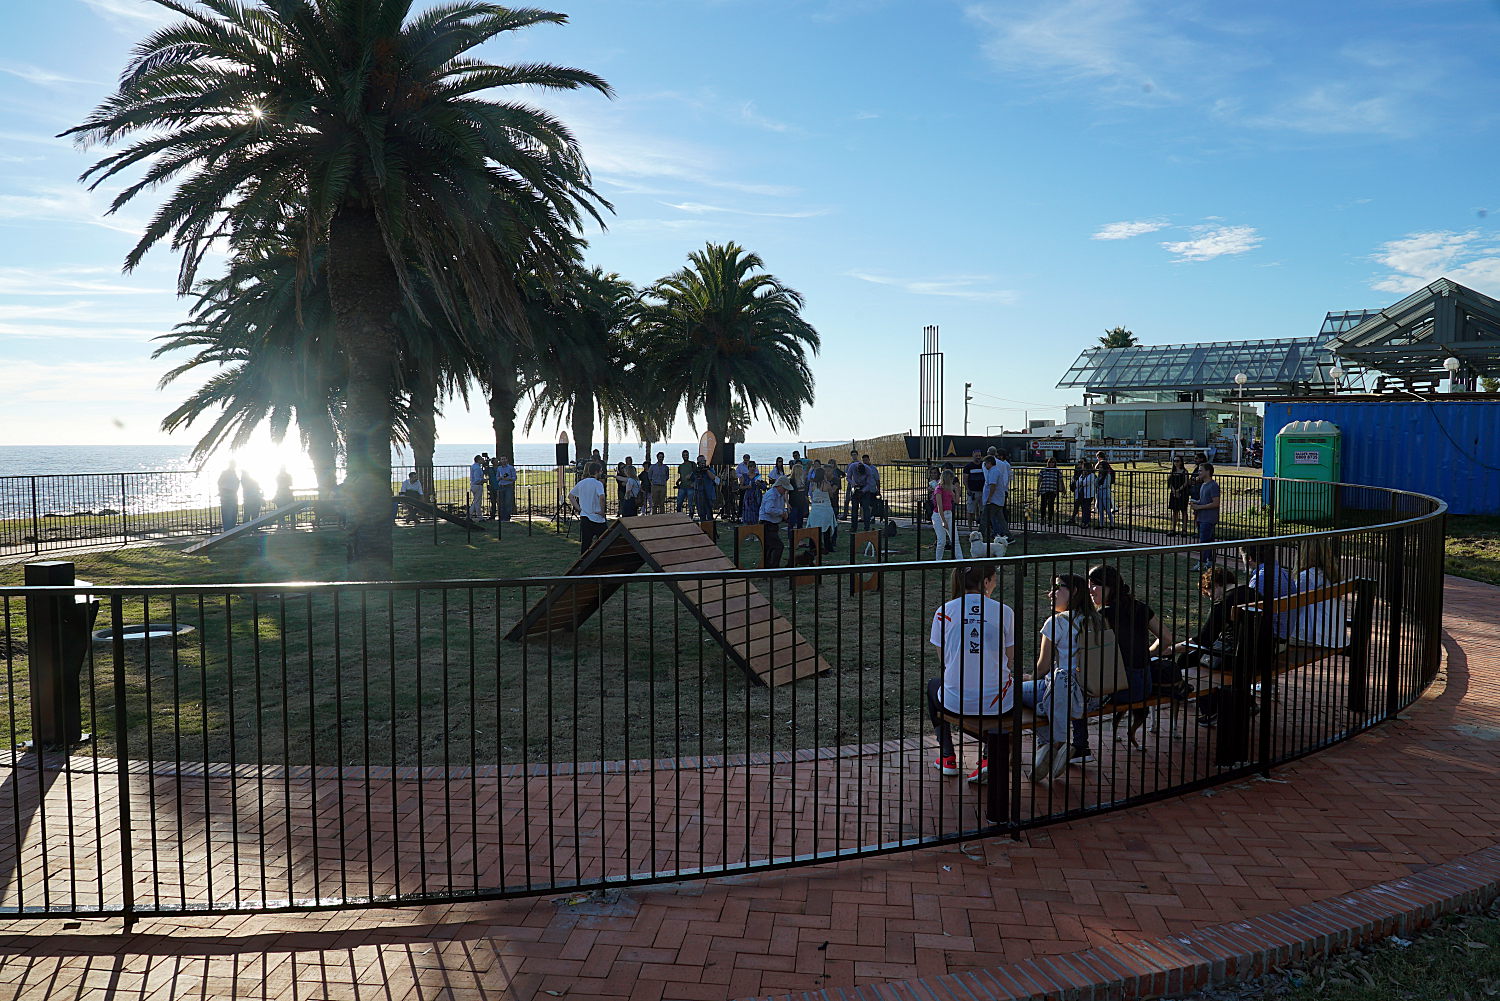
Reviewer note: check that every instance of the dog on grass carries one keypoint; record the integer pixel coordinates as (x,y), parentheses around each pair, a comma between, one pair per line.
(979,549)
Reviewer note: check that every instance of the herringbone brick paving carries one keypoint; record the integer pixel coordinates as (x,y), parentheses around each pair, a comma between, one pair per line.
(1397,800)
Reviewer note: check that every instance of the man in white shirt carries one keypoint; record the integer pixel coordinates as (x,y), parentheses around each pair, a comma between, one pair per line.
(587,500)
(476,489)
(996,482)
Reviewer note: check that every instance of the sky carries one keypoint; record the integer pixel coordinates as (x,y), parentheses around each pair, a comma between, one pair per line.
(1023,175)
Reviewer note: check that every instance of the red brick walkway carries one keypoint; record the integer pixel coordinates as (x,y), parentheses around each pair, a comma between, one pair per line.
(1402,799)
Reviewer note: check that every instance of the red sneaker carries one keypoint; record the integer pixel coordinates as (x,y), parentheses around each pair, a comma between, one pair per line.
(947,765)
(982,772)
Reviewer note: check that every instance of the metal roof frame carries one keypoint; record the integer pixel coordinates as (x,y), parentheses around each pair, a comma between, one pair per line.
(1414,336)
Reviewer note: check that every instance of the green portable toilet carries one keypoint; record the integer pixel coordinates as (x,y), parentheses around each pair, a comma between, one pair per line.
(1307,451)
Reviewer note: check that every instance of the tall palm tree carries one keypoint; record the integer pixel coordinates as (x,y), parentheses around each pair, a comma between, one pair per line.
(582,371)
(363,114)
(722,330)
(1118,337)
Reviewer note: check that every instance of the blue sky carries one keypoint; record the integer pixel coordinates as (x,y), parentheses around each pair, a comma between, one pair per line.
(1025,175)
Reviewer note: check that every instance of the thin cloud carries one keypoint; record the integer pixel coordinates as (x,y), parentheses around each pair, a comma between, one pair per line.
(751,114)
(67,281)
(1125,230)
(948,286)
(67,205)
(1214,241)
(130,14)
(41,77)
(698,208)
(1419,259)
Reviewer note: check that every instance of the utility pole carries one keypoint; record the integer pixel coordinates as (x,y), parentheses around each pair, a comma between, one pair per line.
(967,397)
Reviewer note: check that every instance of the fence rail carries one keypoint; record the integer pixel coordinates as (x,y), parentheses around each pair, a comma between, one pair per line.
(301,746)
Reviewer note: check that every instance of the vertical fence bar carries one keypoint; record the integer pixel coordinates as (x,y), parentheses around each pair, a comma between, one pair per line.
(1395,568)
(122,762)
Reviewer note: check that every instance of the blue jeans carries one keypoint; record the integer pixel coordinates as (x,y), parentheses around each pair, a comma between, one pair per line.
(1060,699)
(507,501)
(1106,504)
(1205,536)
(229,510)
(994,522)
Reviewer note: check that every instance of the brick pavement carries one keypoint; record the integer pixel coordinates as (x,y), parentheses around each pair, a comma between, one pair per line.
(1397,801)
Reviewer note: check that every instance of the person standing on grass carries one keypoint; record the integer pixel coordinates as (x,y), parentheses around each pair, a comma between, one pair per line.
(587,500)
(772,514)
(1104,490)
(657,475)
(1048,486)
(851,499)
(705,489)
(944,500)
(229,496)
(476,488)
(505,483)
(992,500)
(254,498)
(752,490)
(1084,488)
(977,637)
(833,483)
(797,516)
(1205,508)
(687,471)
(1177,495)
(283,489)
(820,511)
(974,486)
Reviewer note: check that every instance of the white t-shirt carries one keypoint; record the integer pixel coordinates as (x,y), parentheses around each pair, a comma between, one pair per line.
(1065,638)
(1324,623)
(589,493)
(973,632)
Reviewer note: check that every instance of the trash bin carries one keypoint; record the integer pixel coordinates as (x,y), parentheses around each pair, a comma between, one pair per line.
(1308,465)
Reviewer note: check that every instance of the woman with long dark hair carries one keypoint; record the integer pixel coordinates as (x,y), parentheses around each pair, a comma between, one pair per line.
(1056,691)
(1177,497)
(1139,633)
(977,637)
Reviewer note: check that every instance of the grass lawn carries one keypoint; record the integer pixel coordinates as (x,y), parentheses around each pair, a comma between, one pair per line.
(424,675)
(1473,548)
(1457,959)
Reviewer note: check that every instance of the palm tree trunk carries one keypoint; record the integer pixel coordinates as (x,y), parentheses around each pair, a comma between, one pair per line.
(423,429)
(716,415)
(503,400)
(366,299)
(583,425)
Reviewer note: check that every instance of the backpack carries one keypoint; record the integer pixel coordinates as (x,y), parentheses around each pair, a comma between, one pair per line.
(1101,669)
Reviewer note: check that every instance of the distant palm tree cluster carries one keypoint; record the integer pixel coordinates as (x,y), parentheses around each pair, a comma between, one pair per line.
(393,239)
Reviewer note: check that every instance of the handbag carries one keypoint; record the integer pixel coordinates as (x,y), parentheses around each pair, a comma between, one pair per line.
(1103,670)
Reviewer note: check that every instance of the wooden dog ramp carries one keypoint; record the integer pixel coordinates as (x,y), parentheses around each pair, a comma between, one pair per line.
(733,610)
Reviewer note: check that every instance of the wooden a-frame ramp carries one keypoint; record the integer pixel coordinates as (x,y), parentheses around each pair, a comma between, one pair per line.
(733,611)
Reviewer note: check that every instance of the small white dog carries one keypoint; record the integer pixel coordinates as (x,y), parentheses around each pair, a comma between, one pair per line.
(979,549)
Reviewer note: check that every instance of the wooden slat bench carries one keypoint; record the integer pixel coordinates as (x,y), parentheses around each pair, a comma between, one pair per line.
(995,732)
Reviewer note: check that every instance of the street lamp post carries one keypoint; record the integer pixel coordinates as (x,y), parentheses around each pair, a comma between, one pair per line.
(1452,365)
(1239,412)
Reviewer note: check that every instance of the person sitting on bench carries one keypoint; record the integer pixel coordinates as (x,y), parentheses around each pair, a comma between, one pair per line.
(1323,623)
(1056,691)
(1216,643)
(977,637)
(1139,632)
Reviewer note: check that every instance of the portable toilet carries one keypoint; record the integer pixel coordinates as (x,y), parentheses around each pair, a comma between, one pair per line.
(1307,452)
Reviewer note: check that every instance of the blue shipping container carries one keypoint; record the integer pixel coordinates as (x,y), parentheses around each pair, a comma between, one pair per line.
(1450,449)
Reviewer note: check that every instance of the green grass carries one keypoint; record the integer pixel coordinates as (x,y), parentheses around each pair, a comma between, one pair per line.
(402,677)
(1457,959)
(1473,547)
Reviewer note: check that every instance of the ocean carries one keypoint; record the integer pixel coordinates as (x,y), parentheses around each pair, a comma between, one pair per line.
(190,485)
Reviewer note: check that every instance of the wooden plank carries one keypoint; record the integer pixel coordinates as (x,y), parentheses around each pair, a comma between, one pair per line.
(249,526)
(734,624)
(802,666)
(675,542)
(697,557)
(718,563)
(681,525)
(728,606)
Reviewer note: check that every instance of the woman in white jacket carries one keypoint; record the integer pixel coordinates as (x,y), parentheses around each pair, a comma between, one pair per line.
(1323,623)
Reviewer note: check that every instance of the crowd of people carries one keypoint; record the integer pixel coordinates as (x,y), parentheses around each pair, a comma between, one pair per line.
(1094,614)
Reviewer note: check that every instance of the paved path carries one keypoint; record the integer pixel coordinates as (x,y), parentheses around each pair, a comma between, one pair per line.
(1402,799)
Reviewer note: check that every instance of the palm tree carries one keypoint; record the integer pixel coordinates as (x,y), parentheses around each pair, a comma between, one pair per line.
(721,331)
(1118,337)
(582,368)
(364,116)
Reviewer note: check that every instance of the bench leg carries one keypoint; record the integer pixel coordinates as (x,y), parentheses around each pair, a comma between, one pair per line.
(997,783)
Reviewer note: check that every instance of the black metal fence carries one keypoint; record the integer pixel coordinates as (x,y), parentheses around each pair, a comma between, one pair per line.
(254,747)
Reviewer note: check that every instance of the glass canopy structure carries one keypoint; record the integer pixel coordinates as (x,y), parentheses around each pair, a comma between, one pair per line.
(1284,367)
